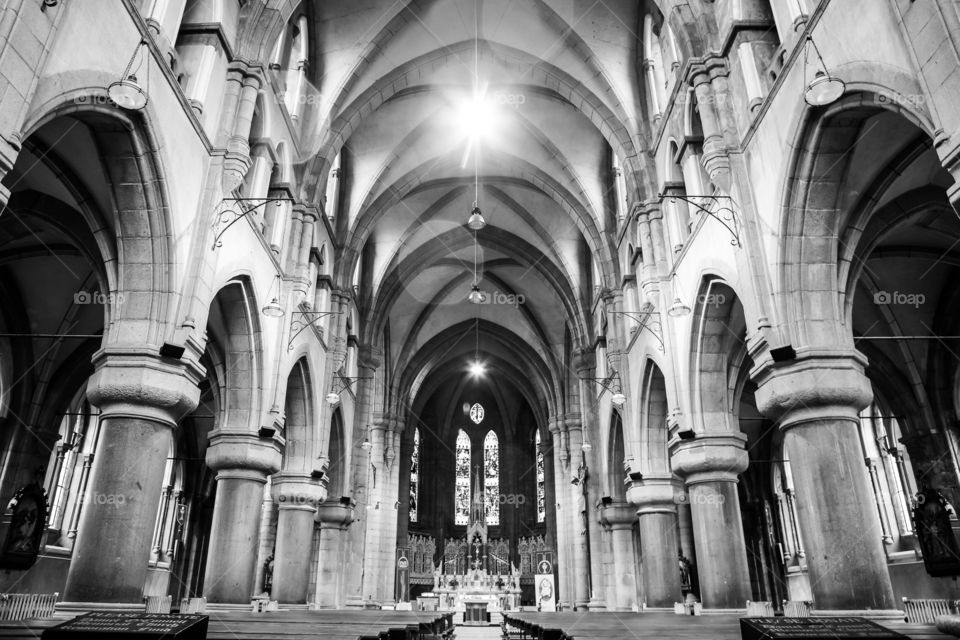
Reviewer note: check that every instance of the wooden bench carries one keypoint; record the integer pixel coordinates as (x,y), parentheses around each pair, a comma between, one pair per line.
(293,625)
(658,625)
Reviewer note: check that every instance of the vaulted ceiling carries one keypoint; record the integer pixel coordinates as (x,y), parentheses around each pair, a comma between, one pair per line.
(536,101)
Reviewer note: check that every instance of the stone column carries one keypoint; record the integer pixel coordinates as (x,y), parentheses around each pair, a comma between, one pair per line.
(619,518)
(817,401)
(297,496)
(655,500)
(710,464)
(334,519)
(141,399)
(561,478)
(242,462)
(578,523)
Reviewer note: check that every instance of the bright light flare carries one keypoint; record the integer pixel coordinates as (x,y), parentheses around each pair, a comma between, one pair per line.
(477,118)
(477,369)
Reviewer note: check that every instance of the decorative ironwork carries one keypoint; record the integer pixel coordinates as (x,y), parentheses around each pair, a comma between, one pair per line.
(931,517)
(301,320)
(642,320)
(725,214)
(227,217)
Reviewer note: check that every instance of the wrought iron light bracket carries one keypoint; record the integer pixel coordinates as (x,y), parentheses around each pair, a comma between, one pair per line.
(227,217)
(724,214)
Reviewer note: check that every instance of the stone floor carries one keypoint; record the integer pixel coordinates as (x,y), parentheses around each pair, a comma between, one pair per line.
(478,633)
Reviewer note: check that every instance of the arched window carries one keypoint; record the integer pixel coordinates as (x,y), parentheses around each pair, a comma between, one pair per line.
(69,468)
(415,475)
(541,486)
(891,473)
(491,477)
(461,497)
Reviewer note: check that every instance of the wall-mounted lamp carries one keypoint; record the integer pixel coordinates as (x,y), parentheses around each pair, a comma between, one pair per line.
(824,89)
(126,92)
(273,309)
(366,445)
(679,308)
(341,384)
(228,217)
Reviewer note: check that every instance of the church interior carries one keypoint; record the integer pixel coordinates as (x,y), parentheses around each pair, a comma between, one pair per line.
(489,316)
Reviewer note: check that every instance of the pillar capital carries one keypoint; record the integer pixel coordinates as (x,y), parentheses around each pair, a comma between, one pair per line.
(584,360)
(369,357)
(335,515)
(243,452)
(827,385)
(655,494)
(297,491)
(617,515)
(710,457)
(142,385)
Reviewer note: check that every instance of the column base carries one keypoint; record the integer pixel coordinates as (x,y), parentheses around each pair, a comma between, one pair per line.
(597,605)
(581,606)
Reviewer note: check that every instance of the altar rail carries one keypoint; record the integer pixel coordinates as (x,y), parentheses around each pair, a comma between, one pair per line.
(21,606)
(926,610)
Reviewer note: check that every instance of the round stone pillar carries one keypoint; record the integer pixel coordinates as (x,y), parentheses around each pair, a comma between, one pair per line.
(242,462)
(334,519)
(297,497)
(709,465)
(656,510)
(619,517)
(141,399)
(817,401)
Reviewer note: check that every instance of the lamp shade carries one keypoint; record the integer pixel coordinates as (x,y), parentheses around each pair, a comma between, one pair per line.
(127,94)
(678,308)
(618,399)
(824,89)
(476,296)
(333,398)
(272,309)
(476,221)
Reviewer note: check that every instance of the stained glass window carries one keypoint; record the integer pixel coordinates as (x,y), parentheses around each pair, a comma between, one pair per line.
(414,475)
(491,477)
(541,489)
(461,496)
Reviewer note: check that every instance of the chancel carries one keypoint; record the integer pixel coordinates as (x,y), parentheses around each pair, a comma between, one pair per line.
(341,318)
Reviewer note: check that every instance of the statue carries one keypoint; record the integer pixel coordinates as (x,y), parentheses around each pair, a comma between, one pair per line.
(515,576)
(684,570)
(436,577)
(268,574)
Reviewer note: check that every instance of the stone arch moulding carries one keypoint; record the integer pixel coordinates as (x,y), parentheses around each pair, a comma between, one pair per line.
(147,269)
